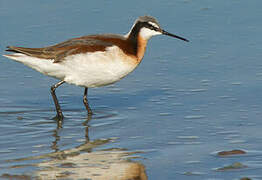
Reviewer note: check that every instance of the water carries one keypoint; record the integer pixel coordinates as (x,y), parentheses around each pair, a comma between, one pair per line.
(167,120)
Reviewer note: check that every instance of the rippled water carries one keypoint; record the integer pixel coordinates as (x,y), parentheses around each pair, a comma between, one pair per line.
(167,120)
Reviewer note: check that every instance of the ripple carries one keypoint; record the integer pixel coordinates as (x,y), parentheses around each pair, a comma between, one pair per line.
(237,83)
(194,117)
(105,118)
(19,110)
(198,90)
(227,132)
(187,137)
(193,173)
(165,114)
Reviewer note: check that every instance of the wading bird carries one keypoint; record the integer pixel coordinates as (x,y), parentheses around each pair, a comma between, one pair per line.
(93,60)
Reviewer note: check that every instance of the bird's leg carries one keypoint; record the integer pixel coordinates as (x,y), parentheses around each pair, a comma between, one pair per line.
(85,101)
(59,114)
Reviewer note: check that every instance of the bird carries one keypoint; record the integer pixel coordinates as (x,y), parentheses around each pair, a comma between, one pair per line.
(92,60)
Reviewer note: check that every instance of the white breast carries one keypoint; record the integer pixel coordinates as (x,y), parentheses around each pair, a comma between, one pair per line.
(97,69)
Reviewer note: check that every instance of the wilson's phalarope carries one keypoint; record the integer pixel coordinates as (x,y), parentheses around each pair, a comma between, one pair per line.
(91,61)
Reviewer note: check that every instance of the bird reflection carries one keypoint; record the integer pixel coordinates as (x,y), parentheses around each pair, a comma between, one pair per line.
(59,126)
(105,164)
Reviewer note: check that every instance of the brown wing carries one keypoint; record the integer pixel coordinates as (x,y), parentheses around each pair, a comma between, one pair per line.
(59,51)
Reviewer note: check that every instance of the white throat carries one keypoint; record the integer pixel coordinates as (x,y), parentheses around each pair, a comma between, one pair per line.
(148,33)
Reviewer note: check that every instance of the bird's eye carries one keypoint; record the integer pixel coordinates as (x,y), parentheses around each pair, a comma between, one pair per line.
(152,27)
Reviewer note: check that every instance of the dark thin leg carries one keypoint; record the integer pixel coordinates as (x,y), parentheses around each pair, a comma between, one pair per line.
(85,101)
(59,113)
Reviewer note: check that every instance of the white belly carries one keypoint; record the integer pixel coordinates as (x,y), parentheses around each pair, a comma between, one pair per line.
(88,70)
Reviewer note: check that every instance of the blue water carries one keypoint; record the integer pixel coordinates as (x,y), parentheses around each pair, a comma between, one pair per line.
(184,103)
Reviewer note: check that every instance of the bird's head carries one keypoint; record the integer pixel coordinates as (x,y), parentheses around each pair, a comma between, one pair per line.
(148,26)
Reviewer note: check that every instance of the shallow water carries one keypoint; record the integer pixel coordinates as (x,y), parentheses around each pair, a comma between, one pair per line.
(168,119)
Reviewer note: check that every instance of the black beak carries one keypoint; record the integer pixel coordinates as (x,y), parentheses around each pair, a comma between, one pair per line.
(172,35)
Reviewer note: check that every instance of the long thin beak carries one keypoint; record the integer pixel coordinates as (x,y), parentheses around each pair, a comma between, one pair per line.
(172,35)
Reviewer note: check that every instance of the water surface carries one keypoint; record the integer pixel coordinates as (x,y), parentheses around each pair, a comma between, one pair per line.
(167,120)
